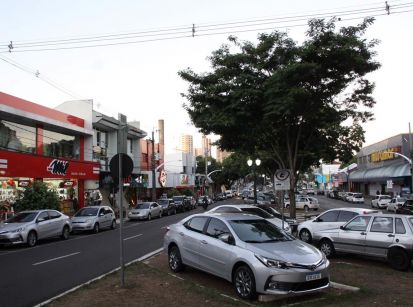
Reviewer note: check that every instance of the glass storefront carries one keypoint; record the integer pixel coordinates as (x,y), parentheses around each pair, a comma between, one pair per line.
(17,137)
(60,145)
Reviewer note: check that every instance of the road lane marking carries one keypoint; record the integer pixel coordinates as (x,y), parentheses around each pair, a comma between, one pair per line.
(57,258)
(132,237)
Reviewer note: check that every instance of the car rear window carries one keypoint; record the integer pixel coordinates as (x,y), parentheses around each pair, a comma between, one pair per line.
(196,223)
(330,216)
(345,216)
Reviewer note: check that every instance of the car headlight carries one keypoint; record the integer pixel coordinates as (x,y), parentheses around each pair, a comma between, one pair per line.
(20,229)
(272,263)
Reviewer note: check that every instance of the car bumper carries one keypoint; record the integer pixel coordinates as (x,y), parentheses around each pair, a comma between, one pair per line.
(81,226)
(295,281)
(137,217)
(11,239)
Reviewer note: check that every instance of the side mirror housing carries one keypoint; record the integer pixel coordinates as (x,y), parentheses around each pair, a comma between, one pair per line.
(342,227)
(227,238)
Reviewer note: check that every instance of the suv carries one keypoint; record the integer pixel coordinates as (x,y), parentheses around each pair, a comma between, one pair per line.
(385,236)
(329,219)
(380,201)
(168,206)
(182,203)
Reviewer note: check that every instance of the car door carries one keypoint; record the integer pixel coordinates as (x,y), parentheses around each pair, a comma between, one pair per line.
(352,236)
(109,216)
(325,221)
(191,237)
(380,236)
(56,223)
(156,209)
(215,255)
(43,225)
(102,218)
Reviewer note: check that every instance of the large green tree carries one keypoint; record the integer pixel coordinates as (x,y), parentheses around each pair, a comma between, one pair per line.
(294,103)
(38,196)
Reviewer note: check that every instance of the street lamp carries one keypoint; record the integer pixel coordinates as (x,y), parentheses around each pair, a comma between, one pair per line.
(257,163)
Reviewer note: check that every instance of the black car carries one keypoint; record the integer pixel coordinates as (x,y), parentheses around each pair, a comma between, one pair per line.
(168,206)
(182,203)
(274,212)
(406,208)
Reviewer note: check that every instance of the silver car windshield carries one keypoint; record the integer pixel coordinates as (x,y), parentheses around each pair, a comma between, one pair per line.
(257,211)
(87,212)
(258,231)
(143,206)
(23,217)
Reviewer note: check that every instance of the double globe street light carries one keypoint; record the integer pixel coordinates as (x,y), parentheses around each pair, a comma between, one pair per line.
(255,163)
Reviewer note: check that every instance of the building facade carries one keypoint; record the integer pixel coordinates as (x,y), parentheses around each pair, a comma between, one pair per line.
(187,143)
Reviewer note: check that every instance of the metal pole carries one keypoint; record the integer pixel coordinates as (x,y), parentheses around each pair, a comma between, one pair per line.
(411,158)
(122,265)
(206,170)
(255,185)
(153,167)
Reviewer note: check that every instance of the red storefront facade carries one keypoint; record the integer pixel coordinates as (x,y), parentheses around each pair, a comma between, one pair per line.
(40,143)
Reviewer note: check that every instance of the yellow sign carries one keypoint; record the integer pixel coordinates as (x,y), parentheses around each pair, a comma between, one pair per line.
(383,155)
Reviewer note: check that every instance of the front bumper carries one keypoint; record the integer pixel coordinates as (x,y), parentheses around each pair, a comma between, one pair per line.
(82,226)
(11,239)
(137,216)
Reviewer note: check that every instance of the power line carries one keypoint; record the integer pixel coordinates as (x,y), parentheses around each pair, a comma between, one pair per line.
(208,29)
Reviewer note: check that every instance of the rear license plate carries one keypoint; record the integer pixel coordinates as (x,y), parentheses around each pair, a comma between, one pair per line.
(314,276)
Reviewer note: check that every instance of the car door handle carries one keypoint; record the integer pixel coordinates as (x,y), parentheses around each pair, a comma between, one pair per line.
(363,233)
(204,242)
(182,234)
(390,235)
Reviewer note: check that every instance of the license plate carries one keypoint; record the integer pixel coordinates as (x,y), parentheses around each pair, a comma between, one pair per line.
(314,276)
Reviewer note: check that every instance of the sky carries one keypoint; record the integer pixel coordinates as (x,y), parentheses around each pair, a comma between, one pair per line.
(140,79)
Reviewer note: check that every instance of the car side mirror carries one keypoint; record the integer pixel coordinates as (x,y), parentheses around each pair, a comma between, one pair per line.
(227,238)
(342,227)
(101,214)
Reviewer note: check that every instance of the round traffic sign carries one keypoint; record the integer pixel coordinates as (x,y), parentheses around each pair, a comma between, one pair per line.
(127,165)
(282,174)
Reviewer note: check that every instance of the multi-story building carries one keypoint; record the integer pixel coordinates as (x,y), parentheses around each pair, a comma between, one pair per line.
(206,146)
(187,144)
(222,155)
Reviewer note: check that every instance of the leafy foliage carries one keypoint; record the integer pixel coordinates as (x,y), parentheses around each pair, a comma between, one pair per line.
(38,196)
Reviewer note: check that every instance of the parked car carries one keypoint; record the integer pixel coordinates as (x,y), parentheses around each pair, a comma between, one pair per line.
(310,191)
(27,227)
(145,210)
(349,195)
(192,202)
(93,218)
(406,208)
(220,196)
(385,236)
(249,209)
(168,206)
(182,203)
(261,199)
(274,212)
(229,194)
(380,201)
(329,219)
(395,203)
(342,195)
(248,251)
(356,198)
(303,202)
(201,200)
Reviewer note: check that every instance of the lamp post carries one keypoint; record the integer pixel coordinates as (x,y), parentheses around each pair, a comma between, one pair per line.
(255,163)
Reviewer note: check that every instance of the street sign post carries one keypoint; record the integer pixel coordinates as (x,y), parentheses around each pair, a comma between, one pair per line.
(282,183)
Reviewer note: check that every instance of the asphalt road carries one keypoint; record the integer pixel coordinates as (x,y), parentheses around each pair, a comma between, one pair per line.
(32,275)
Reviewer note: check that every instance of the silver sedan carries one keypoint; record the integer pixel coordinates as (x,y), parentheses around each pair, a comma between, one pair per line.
(249,251)
(30,226)
(145,210)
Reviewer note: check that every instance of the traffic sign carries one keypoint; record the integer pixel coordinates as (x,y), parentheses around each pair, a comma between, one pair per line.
(127,165)
(282,179)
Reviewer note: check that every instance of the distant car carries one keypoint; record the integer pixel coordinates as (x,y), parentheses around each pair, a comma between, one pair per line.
(145,210)
(182,203)
(385,236)
(329,219)
(220,196)
(261,199)
(252,253)
(192,202)
(380,201)
(395,203)
(168,206)
(349,196)
(93,218)
(342,195)
(310,191)
(229,194)
(356,198)
(249,209)
(274,212)
(201,200)
(27,227)
(406,208)
(303,202)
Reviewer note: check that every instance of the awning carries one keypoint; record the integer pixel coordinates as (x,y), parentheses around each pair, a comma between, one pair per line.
(381,173)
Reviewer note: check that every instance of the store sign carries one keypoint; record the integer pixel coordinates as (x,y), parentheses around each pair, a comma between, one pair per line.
(389,184)
(383,155)
(162,178)
(24,183)
(58,167)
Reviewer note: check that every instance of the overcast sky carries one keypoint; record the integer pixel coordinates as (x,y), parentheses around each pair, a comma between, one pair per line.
(140,79)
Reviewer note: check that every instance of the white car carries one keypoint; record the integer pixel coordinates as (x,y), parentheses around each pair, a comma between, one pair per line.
(349,196)
(395,203)
(380,201)
(356,198)
(329,219)
(249,209)
(304,202)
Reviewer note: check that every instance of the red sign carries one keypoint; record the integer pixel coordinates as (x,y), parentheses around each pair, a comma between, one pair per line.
(34,166)
(162,178)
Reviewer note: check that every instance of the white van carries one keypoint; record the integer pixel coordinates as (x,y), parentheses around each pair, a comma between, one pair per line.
(229,194)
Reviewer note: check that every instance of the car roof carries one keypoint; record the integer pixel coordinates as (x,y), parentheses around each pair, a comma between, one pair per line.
(354,209)
(241,206)
(230,216)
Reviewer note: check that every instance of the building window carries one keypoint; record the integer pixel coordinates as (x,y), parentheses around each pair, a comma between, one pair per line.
(60,145)
(129,146)
(17,137)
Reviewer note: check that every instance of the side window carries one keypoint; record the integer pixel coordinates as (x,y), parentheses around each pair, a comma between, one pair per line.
(346,216)
(216,228)
(102,211)
(382,224)
(108,211)
(44,216)
(197,223)
(330,216)
(359,223)
(400,229)
(54,215)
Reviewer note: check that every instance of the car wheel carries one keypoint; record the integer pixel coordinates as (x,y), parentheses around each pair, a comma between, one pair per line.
(113,225)
(305,236)
(149,217)
(399,259)
(244,283)
(160,214)
(31,238)
(96,228)
(65,233)
(175,260)
(306,208)
(327,247)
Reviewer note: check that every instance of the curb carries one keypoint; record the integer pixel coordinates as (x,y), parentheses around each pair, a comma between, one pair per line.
(144,257)
(336,285)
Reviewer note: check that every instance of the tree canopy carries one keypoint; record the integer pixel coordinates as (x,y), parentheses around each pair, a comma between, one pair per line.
(36,197)
(294,103)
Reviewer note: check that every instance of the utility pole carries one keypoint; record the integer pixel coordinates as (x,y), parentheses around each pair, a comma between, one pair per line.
(153,167)
(206,169)
(411,158)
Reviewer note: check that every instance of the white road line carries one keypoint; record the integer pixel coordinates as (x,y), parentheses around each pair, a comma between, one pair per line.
(132,237)
(54,259)
(173,275)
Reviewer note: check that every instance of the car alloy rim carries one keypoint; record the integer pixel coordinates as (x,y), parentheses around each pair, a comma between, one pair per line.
(32,239)
(243,283)
(66,232)
(173,260)
(325,248)
(305,236)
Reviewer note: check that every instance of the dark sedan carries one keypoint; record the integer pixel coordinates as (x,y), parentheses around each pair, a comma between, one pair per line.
(406,208)
(168,206)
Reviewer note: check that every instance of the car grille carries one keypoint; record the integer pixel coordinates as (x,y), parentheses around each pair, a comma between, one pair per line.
(296,286)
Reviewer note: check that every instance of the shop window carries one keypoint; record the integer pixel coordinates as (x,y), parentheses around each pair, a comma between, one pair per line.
(17,137)
(60,145)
